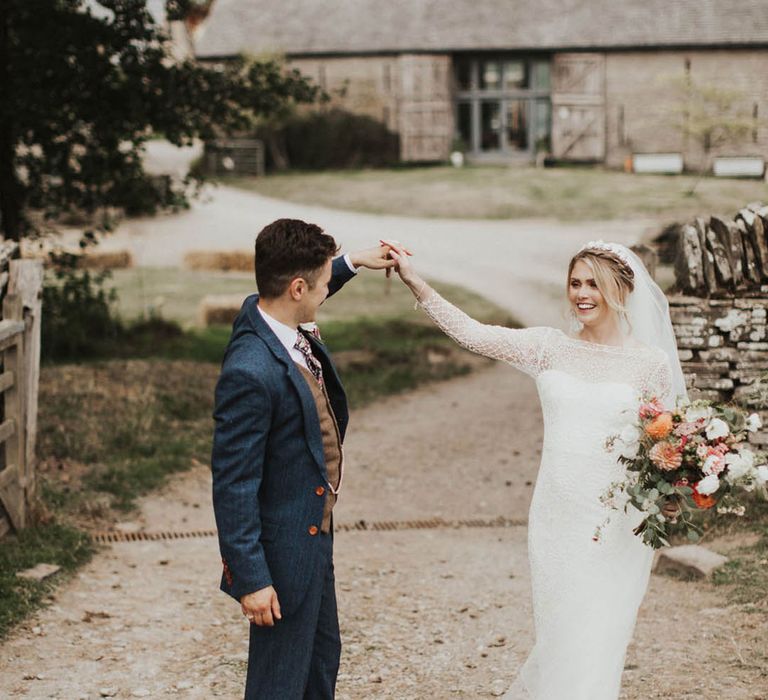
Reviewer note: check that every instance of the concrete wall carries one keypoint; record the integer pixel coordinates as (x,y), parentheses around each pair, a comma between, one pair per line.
(641,85)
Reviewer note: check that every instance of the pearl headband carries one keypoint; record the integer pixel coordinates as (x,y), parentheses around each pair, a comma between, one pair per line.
(609,247)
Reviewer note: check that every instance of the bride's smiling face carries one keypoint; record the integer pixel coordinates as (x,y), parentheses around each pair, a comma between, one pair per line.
(587,302)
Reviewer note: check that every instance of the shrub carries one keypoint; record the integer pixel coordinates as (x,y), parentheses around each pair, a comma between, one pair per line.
(332,139)
(77,315)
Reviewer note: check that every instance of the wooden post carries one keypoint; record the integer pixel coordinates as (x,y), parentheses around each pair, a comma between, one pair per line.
(26,283)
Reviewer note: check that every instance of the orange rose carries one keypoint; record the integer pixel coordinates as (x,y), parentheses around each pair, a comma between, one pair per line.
(702,502)
(660,427)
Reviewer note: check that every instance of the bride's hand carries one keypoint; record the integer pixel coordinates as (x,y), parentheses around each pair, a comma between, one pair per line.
(403,266)
(671,510)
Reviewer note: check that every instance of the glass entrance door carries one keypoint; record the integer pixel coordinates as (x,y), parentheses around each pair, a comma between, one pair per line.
(516,125)
(491,130)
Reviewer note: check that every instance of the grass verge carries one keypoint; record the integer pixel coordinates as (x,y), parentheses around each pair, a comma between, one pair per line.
(746,572)
(484,192)
(52,543)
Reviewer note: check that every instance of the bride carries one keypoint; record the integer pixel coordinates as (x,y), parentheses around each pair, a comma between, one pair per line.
(586,593)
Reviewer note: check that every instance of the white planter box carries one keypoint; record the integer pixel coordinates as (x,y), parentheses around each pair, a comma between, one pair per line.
(664,163)
(739,166)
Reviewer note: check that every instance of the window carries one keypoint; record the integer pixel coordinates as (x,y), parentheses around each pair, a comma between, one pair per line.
(515,75)
(464,124)
(463,74)
(490,75)
(503,103)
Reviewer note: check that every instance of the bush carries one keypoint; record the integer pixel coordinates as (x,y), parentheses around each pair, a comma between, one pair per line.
(77,318)
(332,139)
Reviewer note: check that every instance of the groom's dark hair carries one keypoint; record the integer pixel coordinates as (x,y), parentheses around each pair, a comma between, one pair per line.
(287,249)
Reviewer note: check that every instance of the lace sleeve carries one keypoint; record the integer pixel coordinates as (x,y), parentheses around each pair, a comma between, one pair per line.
(521,348)
(659,381)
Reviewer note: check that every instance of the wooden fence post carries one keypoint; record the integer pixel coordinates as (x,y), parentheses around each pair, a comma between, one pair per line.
(26,283)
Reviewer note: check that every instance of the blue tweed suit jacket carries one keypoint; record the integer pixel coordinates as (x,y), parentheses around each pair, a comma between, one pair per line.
(268,459)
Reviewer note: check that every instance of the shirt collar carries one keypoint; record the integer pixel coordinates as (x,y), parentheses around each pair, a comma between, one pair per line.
(285,334)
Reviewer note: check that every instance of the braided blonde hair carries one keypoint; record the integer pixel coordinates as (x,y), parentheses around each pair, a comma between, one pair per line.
(614,278)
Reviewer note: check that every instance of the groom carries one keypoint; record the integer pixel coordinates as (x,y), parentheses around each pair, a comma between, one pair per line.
(281,415)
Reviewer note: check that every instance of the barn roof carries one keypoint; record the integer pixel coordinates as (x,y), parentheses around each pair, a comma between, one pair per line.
(305,27)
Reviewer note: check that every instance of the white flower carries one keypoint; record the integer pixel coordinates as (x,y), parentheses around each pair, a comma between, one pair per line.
(761,475)
(739,464)
(717,428)
(708,485)
(695,413)
(714,464)
(630,441)
(754,423)
(629,434)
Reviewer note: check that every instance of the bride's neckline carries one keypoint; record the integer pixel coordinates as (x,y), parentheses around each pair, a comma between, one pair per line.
(603,346)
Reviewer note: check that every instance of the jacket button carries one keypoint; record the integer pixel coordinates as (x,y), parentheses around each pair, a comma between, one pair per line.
(313,530)
(320,490)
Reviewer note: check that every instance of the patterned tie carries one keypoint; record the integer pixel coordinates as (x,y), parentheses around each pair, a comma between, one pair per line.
(303,346)
(312,328)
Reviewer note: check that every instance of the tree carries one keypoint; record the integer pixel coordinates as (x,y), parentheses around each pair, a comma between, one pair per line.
(84,85)
(711,116)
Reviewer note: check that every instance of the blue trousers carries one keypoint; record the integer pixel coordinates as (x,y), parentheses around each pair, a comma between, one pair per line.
(298,658)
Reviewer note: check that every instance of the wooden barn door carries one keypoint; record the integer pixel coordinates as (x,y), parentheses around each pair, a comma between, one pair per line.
(426,110)
(578,106)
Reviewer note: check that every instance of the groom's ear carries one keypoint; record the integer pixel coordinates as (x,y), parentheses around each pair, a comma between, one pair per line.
(297,288)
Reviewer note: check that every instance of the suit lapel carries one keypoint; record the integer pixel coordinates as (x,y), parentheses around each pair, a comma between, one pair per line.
(312,432)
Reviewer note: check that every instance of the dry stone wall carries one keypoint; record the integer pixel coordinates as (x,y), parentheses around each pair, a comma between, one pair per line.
(722,329)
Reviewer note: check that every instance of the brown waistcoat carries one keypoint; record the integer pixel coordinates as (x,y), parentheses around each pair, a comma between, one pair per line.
(331,443)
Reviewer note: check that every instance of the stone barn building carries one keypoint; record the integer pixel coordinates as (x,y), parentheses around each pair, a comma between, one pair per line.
(586,80)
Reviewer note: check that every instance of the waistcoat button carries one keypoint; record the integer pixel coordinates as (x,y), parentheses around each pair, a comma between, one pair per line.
(313,530)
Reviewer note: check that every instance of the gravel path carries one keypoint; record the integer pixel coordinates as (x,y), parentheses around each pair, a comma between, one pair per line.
(519,264)
(425,613)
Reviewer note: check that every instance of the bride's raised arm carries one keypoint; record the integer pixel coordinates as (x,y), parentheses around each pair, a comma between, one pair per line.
(521,348)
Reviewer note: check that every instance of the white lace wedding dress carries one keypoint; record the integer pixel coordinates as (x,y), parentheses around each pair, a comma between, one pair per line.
(586,594)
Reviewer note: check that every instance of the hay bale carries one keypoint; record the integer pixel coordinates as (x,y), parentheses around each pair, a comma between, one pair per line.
(112,260)
(218,309)
(41,249)
(220,260)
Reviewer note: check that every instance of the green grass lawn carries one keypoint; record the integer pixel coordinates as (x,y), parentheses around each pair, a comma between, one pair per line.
(175,294)
(566,193)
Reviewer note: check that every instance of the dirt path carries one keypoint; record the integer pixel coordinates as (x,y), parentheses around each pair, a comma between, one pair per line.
(425,613)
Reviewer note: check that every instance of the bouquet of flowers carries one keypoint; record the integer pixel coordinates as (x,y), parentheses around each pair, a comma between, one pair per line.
(691,458)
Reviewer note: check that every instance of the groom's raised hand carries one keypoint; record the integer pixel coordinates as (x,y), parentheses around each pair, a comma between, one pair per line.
(261,607)
(377,258)
(373,258)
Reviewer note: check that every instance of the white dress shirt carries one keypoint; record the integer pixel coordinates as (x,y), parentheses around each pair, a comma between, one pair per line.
(287,335)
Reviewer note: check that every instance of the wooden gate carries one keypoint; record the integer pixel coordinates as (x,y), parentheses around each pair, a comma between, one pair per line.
(19,379)
(578,107)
